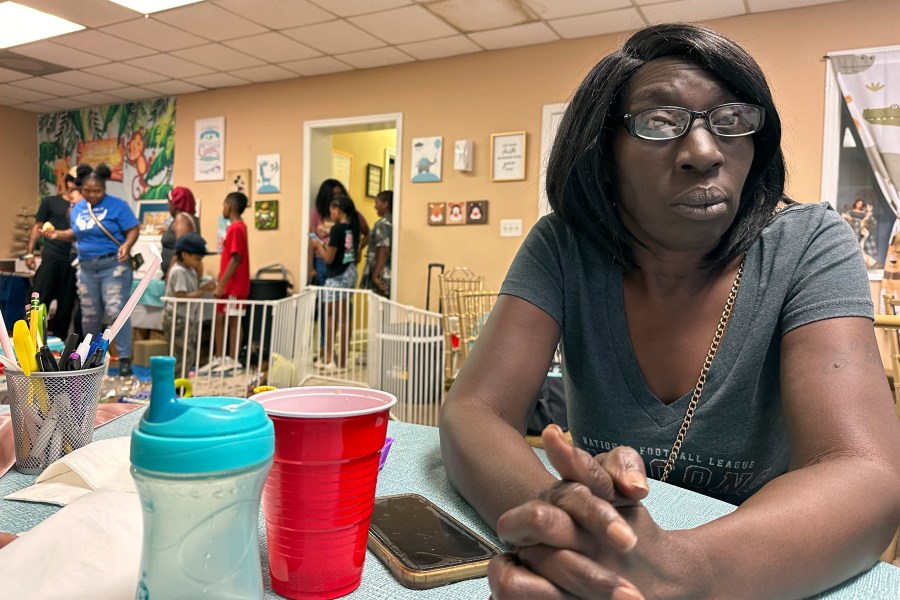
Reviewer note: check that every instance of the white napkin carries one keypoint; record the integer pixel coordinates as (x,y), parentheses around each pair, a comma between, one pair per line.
(89,549)
(101,465)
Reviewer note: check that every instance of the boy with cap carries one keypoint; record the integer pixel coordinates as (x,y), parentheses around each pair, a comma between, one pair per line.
(182,282)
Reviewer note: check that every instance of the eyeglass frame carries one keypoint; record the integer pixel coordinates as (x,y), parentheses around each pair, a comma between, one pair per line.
(628,121)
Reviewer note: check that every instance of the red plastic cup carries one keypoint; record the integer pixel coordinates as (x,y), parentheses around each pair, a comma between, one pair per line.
(320,492)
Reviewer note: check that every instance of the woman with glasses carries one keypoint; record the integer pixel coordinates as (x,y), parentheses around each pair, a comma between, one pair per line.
(715,335)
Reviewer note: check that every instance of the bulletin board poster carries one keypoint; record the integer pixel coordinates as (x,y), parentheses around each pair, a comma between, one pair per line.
(136,140)
(209,149)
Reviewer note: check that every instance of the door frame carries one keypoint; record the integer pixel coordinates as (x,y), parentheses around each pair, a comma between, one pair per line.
(346,125)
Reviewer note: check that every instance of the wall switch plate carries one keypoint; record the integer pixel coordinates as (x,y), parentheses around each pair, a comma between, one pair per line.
(510,227)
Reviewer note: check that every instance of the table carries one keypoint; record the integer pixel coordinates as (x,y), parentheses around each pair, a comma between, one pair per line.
(414,466)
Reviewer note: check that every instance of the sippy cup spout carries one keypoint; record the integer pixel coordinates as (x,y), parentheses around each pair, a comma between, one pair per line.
(164,404)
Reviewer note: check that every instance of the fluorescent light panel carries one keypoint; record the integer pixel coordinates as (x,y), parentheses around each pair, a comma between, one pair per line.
(21,24)
(145,7)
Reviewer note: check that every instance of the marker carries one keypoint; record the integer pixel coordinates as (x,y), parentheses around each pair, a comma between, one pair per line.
(68,349)
(95,360)
(48,362)
(85,346)
(74,362)
(34,319)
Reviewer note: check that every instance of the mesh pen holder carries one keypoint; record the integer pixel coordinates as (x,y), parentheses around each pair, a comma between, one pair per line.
(52,414)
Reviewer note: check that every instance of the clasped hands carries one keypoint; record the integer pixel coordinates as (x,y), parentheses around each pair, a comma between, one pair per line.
(579,538)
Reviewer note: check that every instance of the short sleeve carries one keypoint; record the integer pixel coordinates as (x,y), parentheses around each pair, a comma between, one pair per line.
(126,218)
(830,279)
(179,281)
(43,211)
(536,273)
(235,240)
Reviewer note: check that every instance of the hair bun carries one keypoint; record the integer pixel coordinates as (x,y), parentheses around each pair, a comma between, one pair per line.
(102,171)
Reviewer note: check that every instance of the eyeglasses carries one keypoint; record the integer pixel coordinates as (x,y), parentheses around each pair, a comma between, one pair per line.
(734,119)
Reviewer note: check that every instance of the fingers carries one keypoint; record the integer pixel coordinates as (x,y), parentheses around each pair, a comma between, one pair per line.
(571,517)
(576,574)
(618,476)
(509,579)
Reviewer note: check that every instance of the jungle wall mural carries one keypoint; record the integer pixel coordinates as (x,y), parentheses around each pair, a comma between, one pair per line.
(136,140)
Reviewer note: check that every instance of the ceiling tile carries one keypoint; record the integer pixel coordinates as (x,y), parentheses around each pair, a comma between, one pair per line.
(334,37)
(85,80)
(277,14)
(598,24)
(63,103)
(21,94)
(133,93)
(215,23)
(757,6)
(125,74)
(273,47)
(558,9)
(36,107)
(316,66)
(169,66)
(217,80)
(380,57)
(693,10)
(264,73)
(103,44)
(349,8)
(490,14)
(153,33)
(90,13)
(404,25)
(48,86)
(510,37)
(7,101)
(97,99)
(60,55)
(219,57)
(174,87)
(10,75)
(452,46)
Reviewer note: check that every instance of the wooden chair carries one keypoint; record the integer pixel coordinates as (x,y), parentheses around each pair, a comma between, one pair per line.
(891,324)
(453,281)
(474,310)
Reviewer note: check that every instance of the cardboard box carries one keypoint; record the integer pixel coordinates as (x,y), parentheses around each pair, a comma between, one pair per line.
(144,349)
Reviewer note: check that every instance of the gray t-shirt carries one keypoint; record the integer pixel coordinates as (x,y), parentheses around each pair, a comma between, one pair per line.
(805,267)
(182,279)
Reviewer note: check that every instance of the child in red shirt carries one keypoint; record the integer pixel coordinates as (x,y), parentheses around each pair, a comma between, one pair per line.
(234,279)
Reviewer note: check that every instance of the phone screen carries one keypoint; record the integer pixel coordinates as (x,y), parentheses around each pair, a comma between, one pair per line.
(422,536)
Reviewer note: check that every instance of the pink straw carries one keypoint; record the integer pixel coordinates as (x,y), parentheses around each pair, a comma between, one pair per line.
(4,340)
(110,334)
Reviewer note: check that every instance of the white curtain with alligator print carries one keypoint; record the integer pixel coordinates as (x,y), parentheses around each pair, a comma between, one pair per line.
(870,85)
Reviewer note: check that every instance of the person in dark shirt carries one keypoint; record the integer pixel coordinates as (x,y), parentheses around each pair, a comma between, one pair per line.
(55,277)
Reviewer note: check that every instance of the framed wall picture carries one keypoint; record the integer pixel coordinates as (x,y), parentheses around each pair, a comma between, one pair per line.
(266,214)
(436,214)
(426,159)
(508,156)
(456,213)
(209,149)
(341,166)
(239,181)
(477,212)
(268,173)
(373,180)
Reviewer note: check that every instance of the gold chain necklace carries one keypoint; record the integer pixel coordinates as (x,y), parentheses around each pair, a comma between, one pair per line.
(701,381)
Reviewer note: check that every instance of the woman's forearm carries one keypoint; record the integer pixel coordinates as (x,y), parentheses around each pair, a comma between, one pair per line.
(488,461)
(797,537)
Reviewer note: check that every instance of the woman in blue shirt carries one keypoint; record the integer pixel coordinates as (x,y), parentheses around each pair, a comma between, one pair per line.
(104,268)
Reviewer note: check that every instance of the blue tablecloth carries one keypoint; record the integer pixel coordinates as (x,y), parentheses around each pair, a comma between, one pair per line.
(414,466)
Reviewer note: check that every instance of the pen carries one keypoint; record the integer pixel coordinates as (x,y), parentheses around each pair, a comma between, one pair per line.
(94,360)
(48,362)
(34,318)
(68,349)
(84,347)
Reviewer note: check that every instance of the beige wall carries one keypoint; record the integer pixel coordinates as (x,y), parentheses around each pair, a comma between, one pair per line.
(18,170)
(473,96)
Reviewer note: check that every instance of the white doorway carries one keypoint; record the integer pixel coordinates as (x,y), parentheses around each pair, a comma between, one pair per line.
(317,166)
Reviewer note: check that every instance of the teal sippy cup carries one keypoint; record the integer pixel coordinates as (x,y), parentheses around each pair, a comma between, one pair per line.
(199,465)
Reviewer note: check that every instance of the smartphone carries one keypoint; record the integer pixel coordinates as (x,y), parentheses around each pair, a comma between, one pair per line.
(423,546)
(313,236)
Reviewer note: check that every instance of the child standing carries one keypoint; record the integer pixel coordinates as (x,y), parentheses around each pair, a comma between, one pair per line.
(234,282)
(182,282)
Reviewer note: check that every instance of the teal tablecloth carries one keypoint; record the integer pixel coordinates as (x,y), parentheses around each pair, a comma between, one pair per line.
(415,466)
